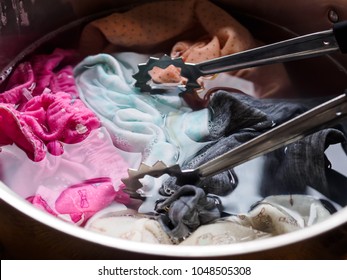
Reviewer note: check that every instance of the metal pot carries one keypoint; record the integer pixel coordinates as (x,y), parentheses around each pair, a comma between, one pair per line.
(27,232)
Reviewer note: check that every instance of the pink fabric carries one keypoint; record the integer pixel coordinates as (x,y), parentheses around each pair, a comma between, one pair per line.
(46,120)
(55,71)
(59,116)
(30,78)
(14,130)
(42,204)
(73,186)
(21,79)
(41,104)
(83,200)
(39,111)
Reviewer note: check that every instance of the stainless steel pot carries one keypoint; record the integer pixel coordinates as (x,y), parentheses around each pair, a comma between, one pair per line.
(26,232)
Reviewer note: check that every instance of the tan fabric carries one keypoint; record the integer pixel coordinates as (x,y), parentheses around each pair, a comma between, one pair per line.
(284,213)
(223,232)
(273,216)
(197,30)
(146,26)
(128,224)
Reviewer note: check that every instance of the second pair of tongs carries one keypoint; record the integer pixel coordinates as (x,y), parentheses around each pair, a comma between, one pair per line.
(321,116)
(310,45)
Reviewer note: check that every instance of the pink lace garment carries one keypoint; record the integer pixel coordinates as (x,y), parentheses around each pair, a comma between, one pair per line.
(40,109)
(85,179)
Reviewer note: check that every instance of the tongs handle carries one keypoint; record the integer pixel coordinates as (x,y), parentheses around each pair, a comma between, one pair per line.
(305,46)
(321,116)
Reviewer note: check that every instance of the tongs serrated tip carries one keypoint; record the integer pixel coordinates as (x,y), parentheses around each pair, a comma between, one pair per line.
(143,78)
(306,46)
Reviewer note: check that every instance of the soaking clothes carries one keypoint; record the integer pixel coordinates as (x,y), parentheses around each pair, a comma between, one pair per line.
(73,186)
(291,169)
(157,126)
(121,222)
(272,216)
(294,169)
(33,76)
(235,119)
(238,118)
(186,210)
(45,122)
(40,109)
(204,31)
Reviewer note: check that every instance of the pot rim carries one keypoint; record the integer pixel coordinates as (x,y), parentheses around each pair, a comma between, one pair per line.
(19,203)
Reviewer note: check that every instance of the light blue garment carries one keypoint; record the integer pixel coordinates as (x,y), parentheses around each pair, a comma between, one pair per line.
(159,126)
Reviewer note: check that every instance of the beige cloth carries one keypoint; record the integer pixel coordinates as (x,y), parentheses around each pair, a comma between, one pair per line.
(197,30)
(284,213)
(273,216)
(130,225)
(223,232)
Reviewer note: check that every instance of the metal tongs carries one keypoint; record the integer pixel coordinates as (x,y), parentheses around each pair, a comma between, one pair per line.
(310,45)
(321,116)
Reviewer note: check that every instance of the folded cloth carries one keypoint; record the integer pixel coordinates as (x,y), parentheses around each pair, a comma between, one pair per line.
(73,186)
(270,217)
(204,31)
(41,104)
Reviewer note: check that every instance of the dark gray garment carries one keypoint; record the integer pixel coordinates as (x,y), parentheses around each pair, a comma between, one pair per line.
(235,119)
(289,170)
(187,209)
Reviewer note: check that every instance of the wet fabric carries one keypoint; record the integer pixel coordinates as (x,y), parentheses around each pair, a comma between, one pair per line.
(236,119)
(284,213)
(270,217)
(186,210)
(222,232)
(120,222)
(294,167)
(203,32)
(73,186)
(40,108)
(33,75)
(157,126)
(40,111)
(78,202)
(150,24)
